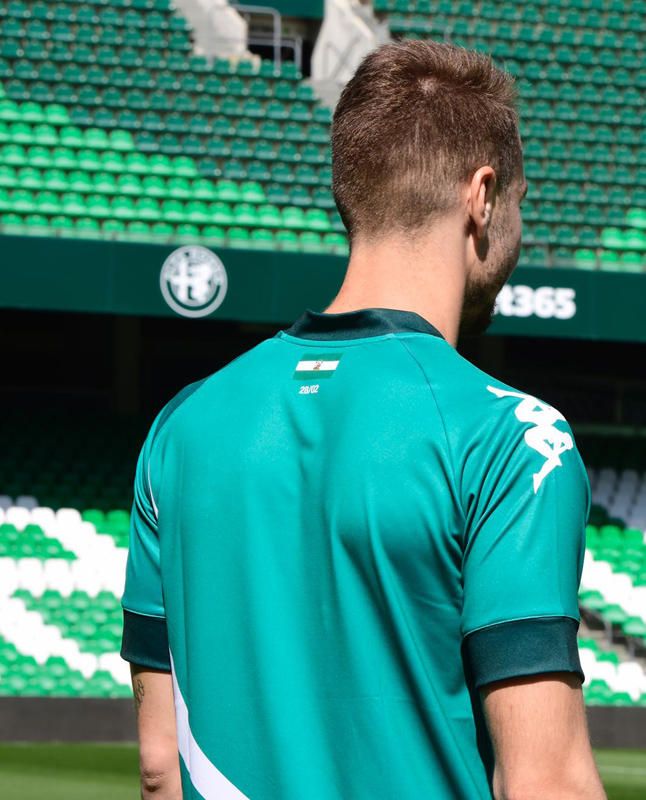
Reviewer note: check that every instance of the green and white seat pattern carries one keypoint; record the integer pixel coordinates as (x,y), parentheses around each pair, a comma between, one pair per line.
(613,584)
(609,681)
(614,596)
(60,622)
(61,579)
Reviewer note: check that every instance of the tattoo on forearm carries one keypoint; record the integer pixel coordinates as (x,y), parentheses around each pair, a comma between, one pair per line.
(138,692)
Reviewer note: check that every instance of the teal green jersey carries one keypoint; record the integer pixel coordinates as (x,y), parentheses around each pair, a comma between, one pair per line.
(336,540)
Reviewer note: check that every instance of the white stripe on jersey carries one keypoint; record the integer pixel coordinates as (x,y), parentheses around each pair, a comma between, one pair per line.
(205,777)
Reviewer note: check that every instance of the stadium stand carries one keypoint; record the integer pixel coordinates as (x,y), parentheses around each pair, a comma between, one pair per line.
(610,681)
(61,581)
(61,576)
(112,126)
(580,72)
(120,130)
(614,576)
(64,536)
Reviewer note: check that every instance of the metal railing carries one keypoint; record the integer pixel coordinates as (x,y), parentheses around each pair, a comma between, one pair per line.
(277,23)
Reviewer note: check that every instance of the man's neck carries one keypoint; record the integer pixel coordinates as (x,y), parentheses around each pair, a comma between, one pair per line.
(426,276)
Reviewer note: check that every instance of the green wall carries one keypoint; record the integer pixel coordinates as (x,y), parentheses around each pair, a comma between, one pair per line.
(312,9)
(275,286)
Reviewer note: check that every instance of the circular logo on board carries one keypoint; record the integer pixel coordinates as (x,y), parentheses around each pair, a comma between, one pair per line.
(193,281)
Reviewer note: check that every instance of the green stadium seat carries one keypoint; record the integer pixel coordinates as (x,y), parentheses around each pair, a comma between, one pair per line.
(214,233)
(197,212)
(287,240)
(15,154)
(238,237)
(162,229)
(130,184)
(80,181)
(221,214)
(269,216)
(278,195)
(311,242)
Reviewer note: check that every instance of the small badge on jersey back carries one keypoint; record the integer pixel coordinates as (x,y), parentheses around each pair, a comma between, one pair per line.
(312,367)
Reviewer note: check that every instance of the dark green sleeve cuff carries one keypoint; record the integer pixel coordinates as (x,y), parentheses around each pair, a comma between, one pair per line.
(523,647)
(145,641)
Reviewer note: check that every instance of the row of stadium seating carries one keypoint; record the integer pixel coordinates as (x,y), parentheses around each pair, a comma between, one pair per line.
(613,585)
(26,676)
(94,622)
(610,681)
(23,8)
(623,549)
(609,590)
(68,600)
(131,96)
(579,70)
(595,14)
(245,121)
(565,47)
(619,497)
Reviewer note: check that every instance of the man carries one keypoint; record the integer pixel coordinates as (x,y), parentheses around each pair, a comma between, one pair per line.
(356,554)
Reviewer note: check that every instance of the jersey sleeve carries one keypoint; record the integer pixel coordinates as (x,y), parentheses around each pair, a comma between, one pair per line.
(524,545)
(145,637)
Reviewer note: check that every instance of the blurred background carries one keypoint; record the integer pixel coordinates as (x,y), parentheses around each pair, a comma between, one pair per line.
(165,204)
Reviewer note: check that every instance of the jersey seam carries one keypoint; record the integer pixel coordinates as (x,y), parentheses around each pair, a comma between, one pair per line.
(160,427)
(335,343)
(442,421)
(530,618)
(201,383)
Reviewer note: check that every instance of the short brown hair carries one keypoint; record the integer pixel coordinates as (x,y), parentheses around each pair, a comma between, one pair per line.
(416,120)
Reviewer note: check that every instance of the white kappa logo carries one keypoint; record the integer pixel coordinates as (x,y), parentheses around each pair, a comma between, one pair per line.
(193,281)
(544,437)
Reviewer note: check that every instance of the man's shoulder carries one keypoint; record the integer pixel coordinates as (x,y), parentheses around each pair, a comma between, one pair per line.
(479,409)
(462,390)
(211,389)
(494,428)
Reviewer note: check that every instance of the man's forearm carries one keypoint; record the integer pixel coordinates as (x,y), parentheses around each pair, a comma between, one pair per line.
(158,756)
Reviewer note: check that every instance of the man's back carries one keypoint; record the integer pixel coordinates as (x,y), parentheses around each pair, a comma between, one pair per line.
(346,532)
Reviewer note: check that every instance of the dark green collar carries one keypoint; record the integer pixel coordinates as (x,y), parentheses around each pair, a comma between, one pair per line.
(359,324)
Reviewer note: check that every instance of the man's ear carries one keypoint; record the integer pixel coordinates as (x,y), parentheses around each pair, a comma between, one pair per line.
(481,198)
